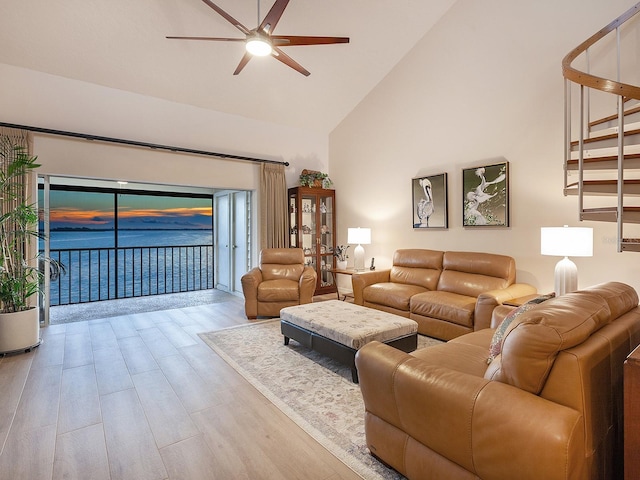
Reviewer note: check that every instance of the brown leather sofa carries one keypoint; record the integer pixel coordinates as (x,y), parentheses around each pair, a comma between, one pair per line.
(549,406)
(447,293)
(281,280)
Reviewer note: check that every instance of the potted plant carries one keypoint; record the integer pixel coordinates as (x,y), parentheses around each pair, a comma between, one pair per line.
(340,253)
(20,275)
(313,178)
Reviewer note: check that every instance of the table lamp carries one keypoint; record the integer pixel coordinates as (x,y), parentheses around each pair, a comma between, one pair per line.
(360,236)
(565,242)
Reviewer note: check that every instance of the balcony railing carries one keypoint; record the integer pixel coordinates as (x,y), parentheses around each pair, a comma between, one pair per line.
(94,274)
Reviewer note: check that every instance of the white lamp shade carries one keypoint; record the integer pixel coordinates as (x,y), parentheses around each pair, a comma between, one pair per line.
(566,241)
(359,236)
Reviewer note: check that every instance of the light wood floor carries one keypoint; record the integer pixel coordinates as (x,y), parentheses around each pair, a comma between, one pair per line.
(140,397)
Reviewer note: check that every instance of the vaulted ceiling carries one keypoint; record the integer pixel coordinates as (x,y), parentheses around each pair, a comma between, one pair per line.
(121,44)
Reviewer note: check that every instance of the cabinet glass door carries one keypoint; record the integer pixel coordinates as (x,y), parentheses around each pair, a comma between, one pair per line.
(293,221)
(308,237)
(326,240)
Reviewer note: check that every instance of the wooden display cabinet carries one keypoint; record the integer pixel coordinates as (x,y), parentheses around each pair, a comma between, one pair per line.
(312,226)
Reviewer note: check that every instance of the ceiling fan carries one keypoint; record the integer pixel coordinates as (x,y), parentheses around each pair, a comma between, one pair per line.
(261,42)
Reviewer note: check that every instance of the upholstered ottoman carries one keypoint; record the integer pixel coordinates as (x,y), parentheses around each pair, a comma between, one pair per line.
(338,329)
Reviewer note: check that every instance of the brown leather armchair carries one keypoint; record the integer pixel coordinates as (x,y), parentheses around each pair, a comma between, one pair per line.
(281,280)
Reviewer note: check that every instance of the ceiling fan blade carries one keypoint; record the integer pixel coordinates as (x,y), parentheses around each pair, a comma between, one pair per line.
(273,17)
(292,40)
(228,17)
(287,60)
(213,39)
(243,61)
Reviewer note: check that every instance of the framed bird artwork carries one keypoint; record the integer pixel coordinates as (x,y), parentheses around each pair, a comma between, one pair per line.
(430,201)
(485,192)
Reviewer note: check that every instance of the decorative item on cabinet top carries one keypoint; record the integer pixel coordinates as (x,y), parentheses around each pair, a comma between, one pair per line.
(313,178)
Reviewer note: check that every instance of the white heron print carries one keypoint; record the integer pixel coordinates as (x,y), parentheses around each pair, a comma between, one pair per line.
(425,205)
(485,201)
(430,202)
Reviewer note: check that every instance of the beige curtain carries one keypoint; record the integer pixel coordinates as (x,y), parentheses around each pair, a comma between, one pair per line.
(274,224)
(9,139)
(12,137)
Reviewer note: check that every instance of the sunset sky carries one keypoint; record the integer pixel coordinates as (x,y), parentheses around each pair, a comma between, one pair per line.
(95,211)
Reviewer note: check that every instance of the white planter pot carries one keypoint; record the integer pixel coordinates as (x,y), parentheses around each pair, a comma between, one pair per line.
(341,264)
(19,331)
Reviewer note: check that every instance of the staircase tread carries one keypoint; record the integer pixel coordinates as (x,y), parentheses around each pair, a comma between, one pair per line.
(593,161)
(610,134)
(611,209)
(609,118)
(606,182)
(607,152)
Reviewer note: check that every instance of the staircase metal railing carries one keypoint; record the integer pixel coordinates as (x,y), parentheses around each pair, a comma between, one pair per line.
(586,81)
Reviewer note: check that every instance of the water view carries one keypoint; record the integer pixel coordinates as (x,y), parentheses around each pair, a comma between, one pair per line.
(146,262)
(164,243)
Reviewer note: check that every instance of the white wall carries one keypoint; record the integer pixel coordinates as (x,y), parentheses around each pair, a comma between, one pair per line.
(47,101)
(484,85)
(37,99)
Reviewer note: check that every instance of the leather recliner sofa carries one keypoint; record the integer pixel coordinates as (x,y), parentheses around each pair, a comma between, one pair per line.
(548,406)
(281,280)
(447,293)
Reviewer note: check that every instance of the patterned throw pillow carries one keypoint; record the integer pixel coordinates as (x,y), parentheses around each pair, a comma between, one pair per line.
(496,342)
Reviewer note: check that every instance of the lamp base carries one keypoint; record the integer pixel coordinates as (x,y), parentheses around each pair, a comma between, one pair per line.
(566,277)
(358,258)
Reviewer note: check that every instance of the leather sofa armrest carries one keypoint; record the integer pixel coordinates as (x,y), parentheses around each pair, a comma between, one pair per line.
(307,283)
(250,282)
(361,280)
(488,301)
(492,429)
(499,314)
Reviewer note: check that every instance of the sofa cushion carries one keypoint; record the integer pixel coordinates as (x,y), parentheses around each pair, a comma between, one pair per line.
(395,295)
(281,290)
(471,273)
(533,340)
(465,353)
(417,267)
(448,306)
(496,342)
(461,357)
(281,263)
(620,297)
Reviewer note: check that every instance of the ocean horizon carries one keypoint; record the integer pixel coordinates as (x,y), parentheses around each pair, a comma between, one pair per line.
(64,238)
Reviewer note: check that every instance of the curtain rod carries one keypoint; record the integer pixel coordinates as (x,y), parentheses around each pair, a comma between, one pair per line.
(135,143)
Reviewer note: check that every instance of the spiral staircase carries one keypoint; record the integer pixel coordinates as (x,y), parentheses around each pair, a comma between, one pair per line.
(602,165)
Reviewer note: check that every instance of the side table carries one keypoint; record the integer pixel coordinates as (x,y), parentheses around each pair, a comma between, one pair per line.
(341,290)
(517,302)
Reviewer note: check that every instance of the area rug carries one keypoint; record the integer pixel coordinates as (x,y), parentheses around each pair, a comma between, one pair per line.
(314,391)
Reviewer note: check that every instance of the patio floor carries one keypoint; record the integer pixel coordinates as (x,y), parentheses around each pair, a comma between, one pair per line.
(111,308)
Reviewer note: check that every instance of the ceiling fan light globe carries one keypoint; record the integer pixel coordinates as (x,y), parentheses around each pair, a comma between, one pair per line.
(258,47)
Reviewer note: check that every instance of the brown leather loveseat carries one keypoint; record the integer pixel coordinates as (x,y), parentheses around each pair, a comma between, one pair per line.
(447,293)
(548,405)
(281,280)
